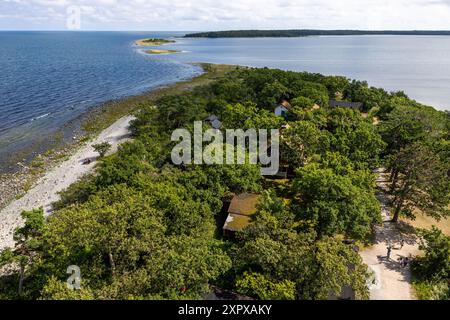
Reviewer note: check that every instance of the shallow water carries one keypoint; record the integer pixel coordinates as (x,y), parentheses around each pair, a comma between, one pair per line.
(49,78)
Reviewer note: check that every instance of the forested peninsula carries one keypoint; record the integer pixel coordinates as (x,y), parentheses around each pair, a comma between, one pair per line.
(141,227)
(307,33)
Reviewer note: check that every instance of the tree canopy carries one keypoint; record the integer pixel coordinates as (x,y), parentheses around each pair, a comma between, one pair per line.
(141,227)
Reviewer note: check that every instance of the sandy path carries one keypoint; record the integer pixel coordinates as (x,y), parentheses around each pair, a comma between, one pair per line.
(392,281)
(46,190)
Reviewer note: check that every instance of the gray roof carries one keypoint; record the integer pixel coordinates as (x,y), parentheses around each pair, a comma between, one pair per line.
(212,118)
(214,121)
(346,104)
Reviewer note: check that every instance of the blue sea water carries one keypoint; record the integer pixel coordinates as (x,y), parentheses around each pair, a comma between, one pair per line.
(418,65)
(50,78)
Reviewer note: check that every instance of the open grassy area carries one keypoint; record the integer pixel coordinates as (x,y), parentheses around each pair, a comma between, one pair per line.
(425,222)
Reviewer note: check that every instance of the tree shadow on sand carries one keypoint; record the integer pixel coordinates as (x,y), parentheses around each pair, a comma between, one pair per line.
(121,137)
(394,264)
(396,234)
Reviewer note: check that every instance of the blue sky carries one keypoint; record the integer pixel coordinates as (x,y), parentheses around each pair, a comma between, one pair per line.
(184,15)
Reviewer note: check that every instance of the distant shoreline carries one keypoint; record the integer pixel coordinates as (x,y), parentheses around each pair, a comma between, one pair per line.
(311,32)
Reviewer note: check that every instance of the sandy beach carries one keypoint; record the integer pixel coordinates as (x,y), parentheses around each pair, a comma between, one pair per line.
(45,191)
(162,51)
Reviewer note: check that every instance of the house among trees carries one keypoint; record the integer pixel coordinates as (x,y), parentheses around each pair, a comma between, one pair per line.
(213,121)
(283,109)
(241,212)
(346,104)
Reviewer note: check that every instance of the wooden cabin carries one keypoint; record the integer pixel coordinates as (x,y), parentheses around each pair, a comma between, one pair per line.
(241,213)
(283,109)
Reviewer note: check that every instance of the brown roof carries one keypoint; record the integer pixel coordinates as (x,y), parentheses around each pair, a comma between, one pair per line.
(237,222)
(244,204)
(286,104)
(242,209)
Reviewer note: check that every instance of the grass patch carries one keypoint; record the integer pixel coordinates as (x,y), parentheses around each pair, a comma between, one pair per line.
(426,222)
(37,163)
(28,184)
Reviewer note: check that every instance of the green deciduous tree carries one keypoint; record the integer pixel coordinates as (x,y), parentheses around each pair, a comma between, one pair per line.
(301,141)
(302,103)
(277,250)
(28,244)
(335,203)
(435,264)
(258,286)
(421,182)
(56,289)
(406,125)
(249,116)
(273,93)
(355,137)
(102,148)
(432,270)
(132,244)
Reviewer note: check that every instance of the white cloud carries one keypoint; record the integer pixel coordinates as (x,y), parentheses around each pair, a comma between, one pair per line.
(215,15)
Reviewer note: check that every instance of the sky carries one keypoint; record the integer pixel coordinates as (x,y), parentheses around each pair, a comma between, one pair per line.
(208,15)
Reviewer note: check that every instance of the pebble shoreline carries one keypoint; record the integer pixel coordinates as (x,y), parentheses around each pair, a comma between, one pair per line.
(46,190)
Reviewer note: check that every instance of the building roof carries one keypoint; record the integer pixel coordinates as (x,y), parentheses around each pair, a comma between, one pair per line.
(242,209)
(214,121)
(346,104)
(237,222)
(212,118)
(285,104)
(244,204)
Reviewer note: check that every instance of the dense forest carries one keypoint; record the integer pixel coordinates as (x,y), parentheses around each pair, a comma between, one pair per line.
(307,33)
(143,228)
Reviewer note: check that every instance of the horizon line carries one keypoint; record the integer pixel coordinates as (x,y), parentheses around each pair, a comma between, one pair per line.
(225,30)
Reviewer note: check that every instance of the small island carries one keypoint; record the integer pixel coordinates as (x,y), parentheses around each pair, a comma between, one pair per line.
(151,42)
(154,51)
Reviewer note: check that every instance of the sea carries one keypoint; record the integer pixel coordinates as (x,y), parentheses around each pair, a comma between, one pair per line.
(49,79)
